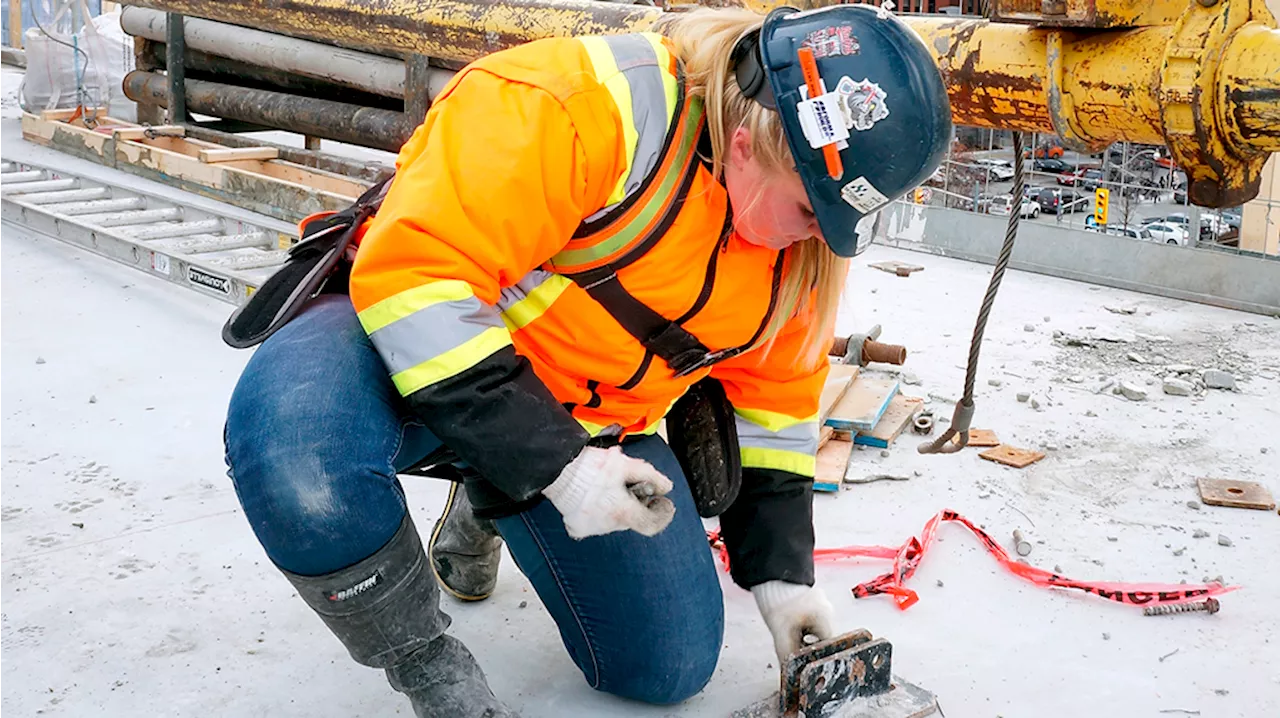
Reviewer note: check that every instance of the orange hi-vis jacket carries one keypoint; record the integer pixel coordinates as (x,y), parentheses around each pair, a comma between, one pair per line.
(511,363)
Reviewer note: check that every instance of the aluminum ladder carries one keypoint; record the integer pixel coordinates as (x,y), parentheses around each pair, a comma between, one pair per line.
(213,254)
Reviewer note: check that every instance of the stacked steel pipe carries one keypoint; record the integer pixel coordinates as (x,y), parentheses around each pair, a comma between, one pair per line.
(268,80)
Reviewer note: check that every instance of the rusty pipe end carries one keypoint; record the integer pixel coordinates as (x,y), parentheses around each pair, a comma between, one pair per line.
(885,353)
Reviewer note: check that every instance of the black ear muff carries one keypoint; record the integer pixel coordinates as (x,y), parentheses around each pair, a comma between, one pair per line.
(749,71)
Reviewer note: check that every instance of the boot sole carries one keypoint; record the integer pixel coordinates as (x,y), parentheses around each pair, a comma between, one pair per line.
(454,488)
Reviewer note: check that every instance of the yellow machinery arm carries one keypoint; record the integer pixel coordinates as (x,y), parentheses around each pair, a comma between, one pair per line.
(1201,76)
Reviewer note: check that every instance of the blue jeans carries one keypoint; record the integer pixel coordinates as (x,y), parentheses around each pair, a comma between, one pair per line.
(315,435)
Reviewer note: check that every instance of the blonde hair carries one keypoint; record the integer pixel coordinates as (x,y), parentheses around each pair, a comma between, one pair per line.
(814,276)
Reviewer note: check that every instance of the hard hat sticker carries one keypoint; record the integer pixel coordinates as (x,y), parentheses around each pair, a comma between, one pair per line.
(822,120)
(863,196)
(863,103)
(832,42)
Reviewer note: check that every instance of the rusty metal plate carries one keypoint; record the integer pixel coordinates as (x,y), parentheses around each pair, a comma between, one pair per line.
(837,679)
(1235,494)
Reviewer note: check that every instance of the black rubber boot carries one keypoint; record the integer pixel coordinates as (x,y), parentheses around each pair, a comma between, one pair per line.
(465,551)
(386,611)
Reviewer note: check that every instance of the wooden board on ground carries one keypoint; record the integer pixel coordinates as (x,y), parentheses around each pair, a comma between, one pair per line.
(981,438)
(1235,494)
(896,418)
(833,461)
(862,406)
(276,188)
(838,379)
(1012,456)
(902,269)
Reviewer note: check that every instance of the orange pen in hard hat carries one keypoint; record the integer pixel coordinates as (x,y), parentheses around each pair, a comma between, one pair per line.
(812,80)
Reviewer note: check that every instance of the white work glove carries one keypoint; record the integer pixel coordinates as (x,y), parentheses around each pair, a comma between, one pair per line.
(604,490)
(793,611)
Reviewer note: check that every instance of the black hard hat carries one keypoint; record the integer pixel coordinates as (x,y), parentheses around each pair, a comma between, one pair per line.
(876,123)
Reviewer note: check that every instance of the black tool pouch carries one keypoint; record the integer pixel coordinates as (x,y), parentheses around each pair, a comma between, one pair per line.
(317,264)
(704,438)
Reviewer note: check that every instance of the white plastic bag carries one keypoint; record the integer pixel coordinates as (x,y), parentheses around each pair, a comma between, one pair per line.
(86,68)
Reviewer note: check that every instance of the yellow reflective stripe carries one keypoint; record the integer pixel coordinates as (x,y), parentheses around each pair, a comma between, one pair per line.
(771,420)
(669,83)
(453,362)
(519,315)
(780,460)
(607,73)
(595,429)
(399,306)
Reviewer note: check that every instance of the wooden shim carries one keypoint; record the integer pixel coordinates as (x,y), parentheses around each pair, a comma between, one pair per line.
(139,133)
(833,461)
(863,404)
(1012,456)
(838,379)
(234,154)
(981,438)
(896,418)
(825,434)
(1235,494)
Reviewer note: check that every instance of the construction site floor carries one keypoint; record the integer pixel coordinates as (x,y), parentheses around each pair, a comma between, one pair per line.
(132,584)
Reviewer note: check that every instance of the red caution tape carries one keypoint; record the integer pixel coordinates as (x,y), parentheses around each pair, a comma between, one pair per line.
(907,558)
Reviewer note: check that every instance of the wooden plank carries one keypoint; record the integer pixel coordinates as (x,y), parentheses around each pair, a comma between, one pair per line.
(863,404)
(1012,456)
(833,461)
(1235,494)
(15,23)
(982,438)
(174,160)
(67,114)
(141,133)
(838,379)
(234,154)
(896,418)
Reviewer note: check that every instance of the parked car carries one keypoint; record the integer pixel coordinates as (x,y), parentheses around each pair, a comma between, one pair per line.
(1170,233)
(1085,177)
(1052,166)
(1060,201)
(999,170)
(1046,150)
(1003,205)
(1121,231)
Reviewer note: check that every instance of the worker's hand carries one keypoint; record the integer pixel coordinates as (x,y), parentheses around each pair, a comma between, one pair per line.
(604,490)
(793,611)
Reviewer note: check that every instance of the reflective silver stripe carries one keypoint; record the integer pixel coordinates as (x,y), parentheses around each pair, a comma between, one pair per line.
(432,331)
(638,63)
(522,288)
(799,438)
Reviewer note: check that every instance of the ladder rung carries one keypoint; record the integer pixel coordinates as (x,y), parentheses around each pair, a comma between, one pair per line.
(214,243)
(180,229)
(140,217)
(72,195)
(252,261)
(42,186)
(73,209)
(23,176)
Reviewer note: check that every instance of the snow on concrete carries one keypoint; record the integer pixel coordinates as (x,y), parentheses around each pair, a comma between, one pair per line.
(133,586)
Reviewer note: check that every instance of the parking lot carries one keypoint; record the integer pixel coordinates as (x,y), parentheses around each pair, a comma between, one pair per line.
(982,181)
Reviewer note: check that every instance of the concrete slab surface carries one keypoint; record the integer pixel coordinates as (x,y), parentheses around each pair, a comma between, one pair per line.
(131,584)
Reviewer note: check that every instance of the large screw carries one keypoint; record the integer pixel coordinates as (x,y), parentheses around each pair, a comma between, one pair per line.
(1210,605)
